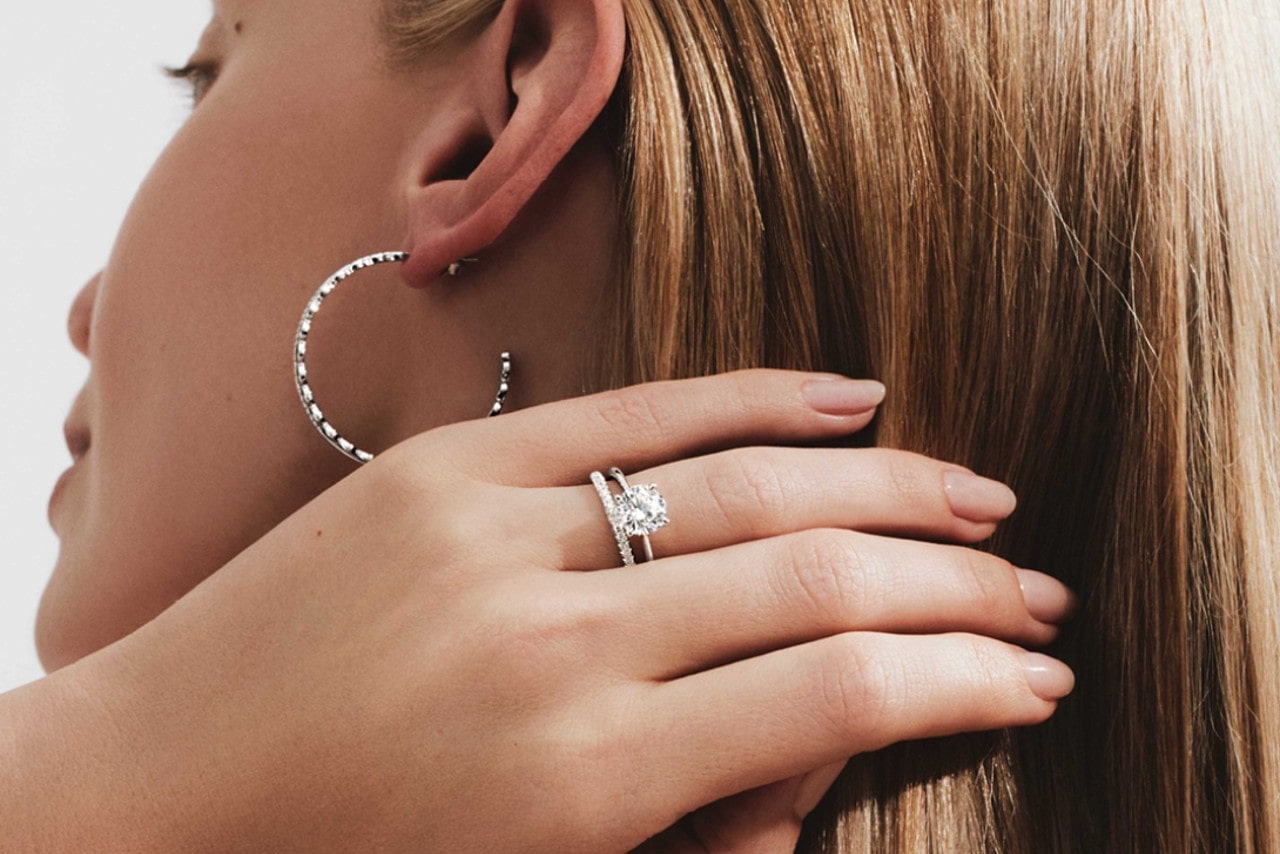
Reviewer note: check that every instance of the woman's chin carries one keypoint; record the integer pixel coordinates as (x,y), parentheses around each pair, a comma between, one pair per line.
(81,612)
(57,642)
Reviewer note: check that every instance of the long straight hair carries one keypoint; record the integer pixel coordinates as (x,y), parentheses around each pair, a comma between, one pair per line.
(1052,228)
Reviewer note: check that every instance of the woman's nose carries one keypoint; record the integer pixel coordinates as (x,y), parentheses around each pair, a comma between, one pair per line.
(82,315)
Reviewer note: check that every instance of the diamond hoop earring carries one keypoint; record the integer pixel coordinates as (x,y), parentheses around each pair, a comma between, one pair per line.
(300,375)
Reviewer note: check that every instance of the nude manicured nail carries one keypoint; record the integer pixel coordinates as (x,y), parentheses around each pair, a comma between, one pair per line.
(1048,599)
(978,499)
(1049,678)
(843,396)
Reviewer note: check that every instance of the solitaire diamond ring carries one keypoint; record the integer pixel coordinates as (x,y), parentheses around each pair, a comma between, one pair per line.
(637,511)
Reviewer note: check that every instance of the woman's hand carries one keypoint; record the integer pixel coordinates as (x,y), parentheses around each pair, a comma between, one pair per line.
(441,652)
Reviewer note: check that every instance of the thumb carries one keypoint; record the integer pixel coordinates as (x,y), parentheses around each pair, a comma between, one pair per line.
(766,820)
(814,786)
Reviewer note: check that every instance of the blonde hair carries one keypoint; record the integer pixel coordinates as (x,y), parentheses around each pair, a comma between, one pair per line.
(1053,230)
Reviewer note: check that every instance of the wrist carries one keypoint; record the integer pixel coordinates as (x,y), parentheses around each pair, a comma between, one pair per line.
(79,769)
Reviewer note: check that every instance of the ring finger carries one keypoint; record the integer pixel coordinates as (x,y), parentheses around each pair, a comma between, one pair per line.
(756,492)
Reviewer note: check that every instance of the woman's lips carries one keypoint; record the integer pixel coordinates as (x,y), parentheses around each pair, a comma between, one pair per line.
(77,438)
(59,489)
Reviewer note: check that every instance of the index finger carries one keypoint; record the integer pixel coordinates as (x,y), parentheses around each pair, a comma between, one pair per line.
(559,444)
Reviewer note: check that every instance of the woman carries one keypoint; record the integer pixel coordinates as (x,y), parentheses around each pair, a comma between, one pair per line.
(1026,220)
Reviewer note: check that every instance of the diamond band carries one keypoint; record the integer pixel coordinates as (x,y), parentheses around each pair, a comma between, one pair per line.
(637,511)
(606,498)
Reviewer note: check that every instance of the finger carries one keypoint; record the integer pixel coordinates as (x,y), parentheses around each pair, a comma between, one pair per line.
(765,819)
(814,787)
(561,443)
(755,492)
(758,821)
(743,831)
(692,612)
(762,820)
(778,715)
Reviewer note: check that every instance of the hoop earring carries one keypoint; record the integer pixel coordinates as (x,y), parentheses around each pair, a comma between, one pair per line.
(301,380)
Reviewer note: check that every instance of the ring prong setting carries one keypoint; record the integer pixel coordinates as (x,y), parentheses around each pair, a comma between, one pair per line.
(640,510)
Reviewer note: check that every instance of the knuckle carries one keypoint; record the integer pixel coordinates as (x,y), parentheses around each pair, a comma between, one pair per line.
(827,573)
(454,526)
(990,583)
(400,474)
(858,689)
(423,458)
(990,664)
(911,481)
(747,383)
(451,531)
(756,394)
(636,409)
(747,488)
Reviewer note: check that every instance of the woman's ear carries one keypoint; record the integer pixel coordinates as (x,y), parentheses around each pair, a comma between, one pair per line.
(521,96)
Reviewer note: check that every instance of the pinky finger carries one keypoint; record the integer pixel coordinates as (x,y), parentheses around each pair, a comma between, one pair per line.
(787,712)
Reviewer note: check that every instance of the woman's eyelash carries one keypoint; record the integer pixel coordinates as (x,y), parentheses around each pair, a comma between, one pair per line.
(197,76)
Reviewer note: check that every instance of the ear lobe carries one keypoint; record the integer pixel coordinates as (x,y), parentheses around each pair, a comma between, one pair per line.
(527,90)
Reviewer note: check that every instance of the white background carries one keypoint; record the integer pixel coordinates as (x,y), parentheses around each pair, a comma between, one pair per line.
(83,113)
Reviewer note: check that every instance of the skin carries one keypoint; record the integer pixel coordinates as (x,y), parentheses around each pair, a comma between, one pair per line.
(196,442)
(191,446)
(449,682)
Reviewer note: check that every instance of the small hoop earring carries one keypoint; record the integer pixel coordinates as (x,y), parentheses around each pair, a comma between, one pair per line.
(300,375)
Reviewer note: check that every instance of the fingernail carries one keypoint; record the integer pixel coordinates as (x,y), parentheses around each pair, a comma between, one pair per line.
(978,499)
(1048,599)
(1049,678)
(843,396)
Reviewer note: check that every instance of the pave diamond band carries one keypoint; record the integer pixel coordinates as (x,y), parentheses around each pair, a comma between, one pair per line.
(637,511)
(606,498)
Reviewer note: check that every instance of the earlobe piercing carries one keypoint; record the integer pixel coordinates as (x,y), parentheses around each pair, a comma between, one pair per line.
(456,267)
(300,374)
